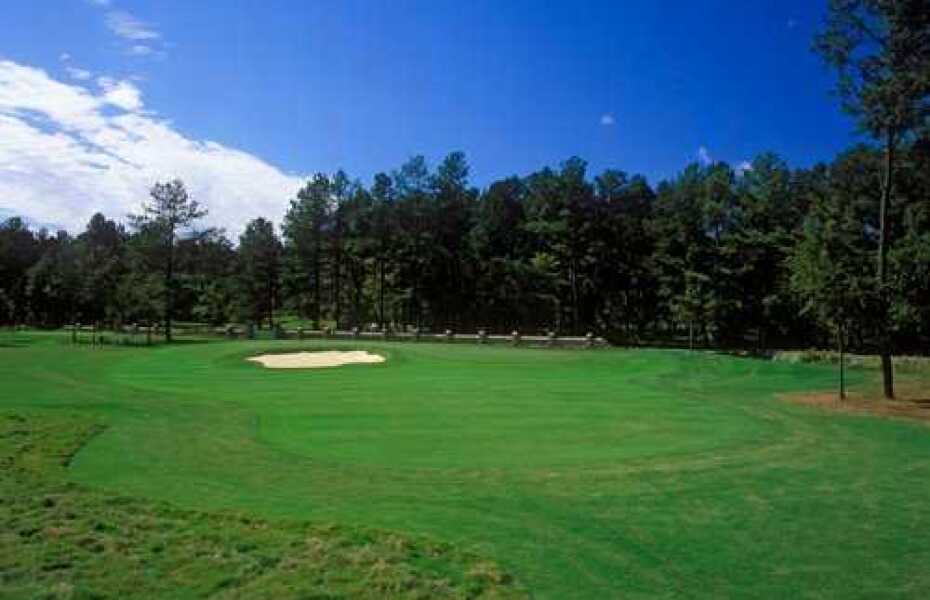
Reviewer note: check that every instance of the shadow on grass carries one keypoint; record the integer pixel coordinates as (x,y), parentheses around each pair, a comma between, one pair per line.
(15,342)
(184,342)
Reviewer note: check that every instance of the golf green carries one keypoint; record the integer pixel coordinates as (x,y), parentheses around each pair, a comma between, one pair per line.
(601,473)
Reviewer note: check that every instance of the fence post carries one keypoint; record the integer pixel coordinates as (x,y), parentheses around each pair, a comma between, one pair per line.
(515,337)
(589,340)
(551,335)
(482,336)
(450,335)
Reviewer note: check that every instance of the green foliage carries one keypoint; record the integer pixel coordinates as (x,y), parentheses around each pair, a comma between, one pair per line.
(260,271)
(881,51)
(167,213)
(829,265)
(752,257)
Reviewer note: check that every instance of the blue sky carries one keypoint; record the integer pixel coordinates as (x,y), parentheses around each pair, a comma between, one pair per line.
(314,86)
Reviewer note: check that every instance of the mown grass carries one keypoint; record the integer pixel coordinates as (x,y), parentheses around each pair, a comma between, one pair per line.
(603,473)
(62,540)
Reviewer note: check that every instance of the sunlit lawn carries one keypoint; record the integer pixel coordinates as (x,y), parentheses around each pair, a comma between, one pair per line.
(602,473)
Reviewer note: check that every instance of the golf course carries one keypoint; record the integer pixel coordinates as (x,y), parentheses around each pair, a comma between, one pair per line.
(548,473)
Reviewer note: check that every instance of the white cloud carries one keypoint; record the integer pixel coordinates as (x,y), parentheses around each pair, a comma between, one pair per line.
(79,74)
(65,154)
(607,120)
(140,50)
(128,27)
(704,157)
(64,57)
(121,94)
(140,39)
(743,167)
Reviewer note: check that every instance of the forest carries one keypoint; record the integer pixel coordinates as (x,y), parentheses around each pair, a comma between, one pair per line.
(760,256)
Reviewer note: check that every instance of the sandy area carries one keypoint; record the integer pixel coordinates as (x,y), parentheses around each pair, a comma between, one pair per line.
(913,402)
(316,360)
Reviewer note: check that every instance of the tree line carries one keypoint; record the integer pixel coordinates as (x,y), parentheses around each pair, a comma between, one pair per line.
(760,256)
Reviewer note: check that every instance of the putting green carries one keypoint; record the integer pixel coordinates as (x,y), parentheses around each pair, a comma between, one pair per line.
(586,473)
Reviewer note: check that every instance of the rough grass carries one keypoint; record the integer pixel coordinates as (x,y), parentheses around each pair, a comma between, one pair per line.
(605,473)
(61,540)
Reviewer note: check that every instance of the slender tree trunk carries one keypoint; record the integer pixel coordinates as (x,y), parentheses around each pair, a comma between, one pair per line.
(357,300)
(169,285)
(840,343)
(271,297)
(885,334)
(337,288)
(574,281)
(381,292)
(317,295)
(338,251)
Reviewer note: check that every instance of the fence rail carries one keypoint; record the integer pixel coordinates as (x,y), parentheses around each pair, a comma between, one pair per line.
(515,339)
(139,334)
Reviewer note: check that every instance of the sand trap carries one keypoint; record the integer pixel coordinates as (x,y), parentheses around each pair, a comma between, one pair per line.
(316,360)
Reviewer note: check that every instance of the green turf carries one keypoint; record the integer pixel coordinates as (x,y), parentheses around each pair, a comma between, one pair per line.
(603,473)
(62,540)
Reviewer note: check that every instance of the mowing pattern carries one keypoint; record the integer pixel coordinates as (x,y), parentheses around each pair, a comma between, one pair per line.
(585,473)
(60,540)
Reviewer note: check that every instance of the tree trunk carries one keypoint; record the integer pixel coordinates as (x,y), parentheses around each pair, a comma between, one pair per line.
(840,340)
(315,309)
(885,334)
(381,294)
(337,289)
(574,284)
(271,297)
(169,285)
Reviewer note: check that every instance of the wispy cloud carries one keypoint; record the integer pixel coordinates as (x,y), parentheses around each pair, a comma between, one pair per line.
(79,74)
(67,151)
(607,120)
(704,157)
(64,57)
(128,27)
(140,50)
(140,38)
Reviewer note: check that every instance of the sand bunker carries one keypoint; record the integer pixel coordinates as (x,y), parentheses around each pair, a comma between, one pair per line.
(316,360)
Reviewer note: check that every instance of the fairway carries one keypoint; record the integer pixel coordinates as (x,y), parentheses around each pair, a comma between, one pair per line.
(594,474)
